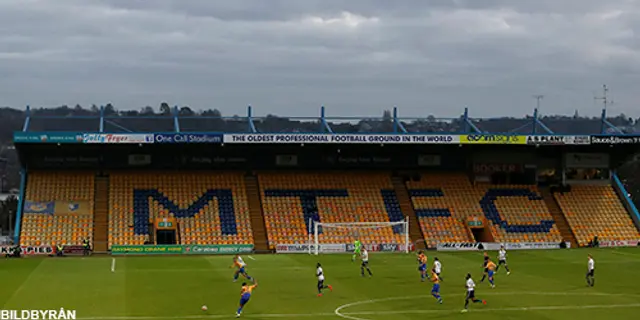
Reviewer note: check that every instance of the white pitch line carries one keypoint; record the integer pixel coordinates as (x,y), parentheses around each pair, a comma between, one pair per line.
(252,258)
(215,316)
(351,315)
(473,310)
(363,313)
(113,265)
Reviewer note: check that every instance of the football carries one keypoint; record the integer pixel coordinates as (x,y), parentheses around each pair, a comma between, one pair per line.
(204,308)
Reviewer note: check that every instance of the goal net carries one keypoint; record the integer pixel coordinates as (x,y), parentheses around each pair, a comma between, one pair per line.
(339,237)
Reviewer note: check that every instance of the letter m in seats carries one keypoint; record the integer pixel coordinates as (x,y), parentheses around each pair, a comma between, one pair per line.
(226,209)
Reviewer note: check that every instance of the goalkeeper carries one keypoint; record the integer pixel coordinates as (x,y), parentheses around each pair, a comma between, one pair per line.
(357,245)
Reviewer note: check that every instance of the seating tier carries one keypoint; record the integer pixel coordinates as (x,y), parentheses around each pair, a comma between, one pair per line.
(290,200)
(211,208)
(596,211)
(58,208)
(515,213)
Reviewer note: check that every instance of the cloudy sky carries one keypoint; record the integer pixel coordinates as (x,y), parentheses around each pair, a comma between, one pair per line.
(356,57)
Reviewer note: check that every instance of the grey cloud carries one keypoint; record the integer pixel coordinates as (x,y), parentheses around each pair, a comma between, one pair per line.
(289,57)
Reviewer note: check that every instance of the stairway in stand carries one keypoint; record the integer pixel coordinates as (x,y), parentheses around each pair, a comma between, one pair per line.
(558,217)
(101,214)
(415,233)
(255,211)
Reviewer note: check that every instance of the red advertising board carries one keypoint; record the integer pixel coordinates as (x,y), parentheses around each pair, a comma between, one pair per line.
(619,243)
(73,250)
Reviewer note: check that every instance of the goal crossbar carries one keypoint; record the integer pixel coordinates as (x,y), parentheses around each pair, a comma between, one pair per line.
(360,224)
(314,242)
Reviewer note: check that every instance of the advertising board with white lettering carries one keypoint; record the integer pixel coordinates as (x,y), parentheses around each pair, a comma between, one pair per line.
(578,140)
(188,138)
(116,138)
(612,139)
(619,243)
(550,140)
(470,246)
(382,247)
(525,245)
(458,246)
(28,250)
(44,137)
(341,248)
(304,248)
(269,138)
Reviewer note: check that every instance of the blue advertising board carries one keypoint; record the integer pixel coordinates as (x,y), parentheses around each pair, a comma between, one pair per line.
(47,137)
(188,138)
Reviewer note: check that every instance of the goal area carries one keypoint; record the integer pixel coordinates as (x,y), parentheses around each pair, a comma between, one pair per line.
(356,230)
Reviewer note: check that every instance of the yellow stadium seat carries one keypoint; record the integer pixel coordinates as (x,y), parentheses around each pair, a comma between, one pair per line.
(596,211)
(49,229)
(284,216)
(462,199)
(183,189)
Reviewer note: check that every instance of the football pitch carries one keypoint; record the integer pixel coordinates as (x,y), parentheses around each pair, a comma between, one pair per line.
(542,285)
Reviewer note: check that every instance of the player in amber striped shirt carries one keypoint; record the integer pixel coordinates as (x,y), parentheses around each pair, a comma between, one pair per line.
(245,296)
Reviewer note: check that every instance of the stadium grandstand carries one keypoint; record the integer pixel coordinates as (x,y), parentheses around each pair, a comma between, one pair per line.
(122,181)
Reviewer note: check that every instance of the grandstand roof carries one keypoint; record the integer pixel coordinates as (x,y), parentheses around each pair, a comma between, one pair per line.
(177,121)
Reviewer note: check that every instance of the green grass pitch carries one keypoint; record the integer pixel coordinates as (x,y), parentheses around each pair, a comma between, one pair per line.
(542,285)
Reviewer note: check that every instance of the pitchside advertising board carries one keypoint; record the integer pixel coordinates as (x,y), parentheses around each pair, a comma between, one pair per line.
(73,250)
(619,243)
(340,248)
(29,250)
(479,246)
(181,249)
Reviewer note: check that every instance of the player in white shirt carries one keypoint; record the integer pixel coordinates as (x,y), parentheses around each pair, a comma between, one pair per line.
(364,256)
(437,267)
(471,293)
(502,259)
(591,268)
(320,275)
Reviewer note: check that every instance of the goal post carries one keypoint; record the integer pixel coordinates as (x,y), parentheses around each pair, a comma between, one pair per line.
(316,247)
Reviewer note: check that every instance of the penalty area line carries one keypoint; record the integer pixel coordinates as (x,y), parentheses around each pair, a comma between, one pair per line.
(534,308)
(113,265)
(352,315)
